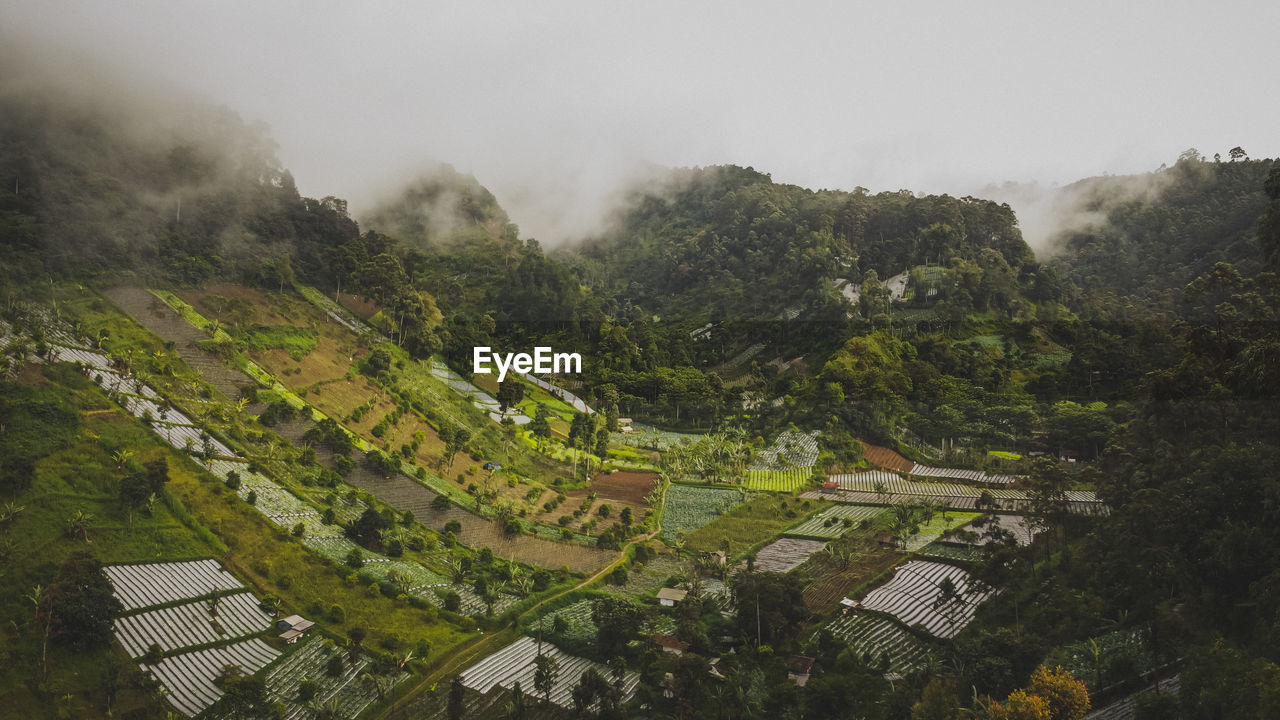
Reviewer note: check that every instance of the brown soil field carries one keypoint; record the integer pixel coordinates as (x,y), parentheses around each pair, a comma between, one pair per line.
(619,490)
(885,458)
(404,494)
(833,581)
(361,307)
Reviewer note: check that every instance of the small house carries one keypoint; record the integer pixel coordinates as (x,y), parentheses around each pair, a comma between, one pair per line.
(670,644)
(293,627)
(1068,455)
(669,597)
(798,669)
(848,605)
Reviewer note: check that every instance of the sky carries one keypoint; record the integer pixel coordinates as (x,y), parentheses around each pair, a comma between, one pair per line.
(556,106)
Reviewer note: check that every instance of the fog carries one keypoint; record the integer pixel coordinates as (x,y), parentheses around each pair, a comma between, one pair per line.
(556,107)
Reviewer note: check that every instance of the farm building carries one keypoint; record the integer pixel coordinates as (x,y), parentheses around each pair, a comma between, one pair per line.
(848,605)
(669,597)
(670,644)
(798,669)
(293,627)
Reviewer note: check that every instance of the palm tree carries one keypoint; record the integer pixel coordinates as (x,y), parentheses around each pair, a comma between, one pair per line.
(122,456)
(10,512)
(78,525)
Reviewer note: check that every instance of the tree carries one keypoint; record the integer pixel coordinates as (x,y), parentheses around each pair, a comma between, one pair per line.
(79,604)
(367,529)
(1068,698)
(510,393)
(546,668)
(770,606)
(1237,153)
(939,701)
(1021,706)
(540,428)
(245,696)
(457,696)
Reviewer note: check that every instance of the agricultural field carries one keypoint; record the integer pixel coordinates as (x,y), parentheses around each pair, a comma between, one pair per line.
(834,521)
(198,622)
(759,519)
(782,481)
(140,586)
(862,488)
(188,679)
(691,507)
(645,579)
(515,663)
(786,554)
(978,476)
(874,636)
(916,596)
(580,630)
(791,449)
(883,457)
(653,438)
(308,662)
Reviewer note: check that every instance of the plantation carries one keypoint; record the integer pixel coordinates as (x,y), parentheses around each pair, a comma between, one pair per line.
(193,623)
(689,508)
(309,662)
(140,586)
(875,637)
(874,488)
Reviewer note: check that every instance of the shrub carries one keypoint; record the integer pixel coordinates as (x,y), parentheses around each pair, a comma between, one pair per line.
(355,558)
(251,498)
(306,690)
(452,601)
(299,529)
(336,614)
(336,666)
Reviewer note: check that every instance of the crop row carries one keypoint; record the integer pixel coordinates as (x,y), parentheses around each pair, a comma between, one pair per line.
(193,623)
(515,663)
(874,637)
(188,679)
(835,521)
(140,586)
(785,554)
(917,595)
(958,474)
(689,508)
(786,481)
(791,449)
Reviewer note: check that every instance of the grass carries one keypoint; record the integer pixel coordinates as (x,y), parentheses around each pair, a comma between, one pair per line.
(751,524)
(298,342)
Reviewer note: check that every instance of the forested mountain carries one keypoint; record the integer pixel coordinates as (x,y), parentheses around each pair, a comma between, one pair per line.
(720,243)
(1150,235)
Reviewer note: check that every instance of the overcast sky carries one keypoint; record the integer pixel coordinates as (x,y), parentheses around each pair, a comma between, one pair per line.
(553,105)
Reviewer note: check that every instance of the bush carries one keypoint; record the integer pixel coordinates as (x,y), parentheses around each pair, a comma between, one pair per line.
(355,558)
(251,498)
(337,615)
(335,666)
(233,480)
(452,601)
(306,690)
(299,529)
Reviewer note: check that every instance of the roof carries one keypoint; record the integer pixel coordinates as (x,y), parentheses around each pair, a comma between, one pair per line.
(294,622)
(669,641)
(849,602)
(672,594)
(290,635)
(799,664)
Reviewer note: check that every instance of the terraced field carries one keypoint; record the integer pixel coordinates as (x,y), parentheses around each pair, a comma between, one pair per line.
(786,554)
(915,596)
(308,662)
(515,663)
(169,325)
(191,624)
(861,488)
(875,636)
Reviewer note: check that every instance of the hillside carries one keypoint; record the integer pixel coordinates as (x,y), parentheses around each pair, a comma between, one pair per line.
(1151,235)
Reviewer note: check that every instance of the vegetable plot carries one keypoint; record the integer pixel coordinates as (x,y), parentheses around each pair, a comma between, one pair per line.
(834,521)
(876,637)
(689,508)
(515,663)
(936,596)
(786,554)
